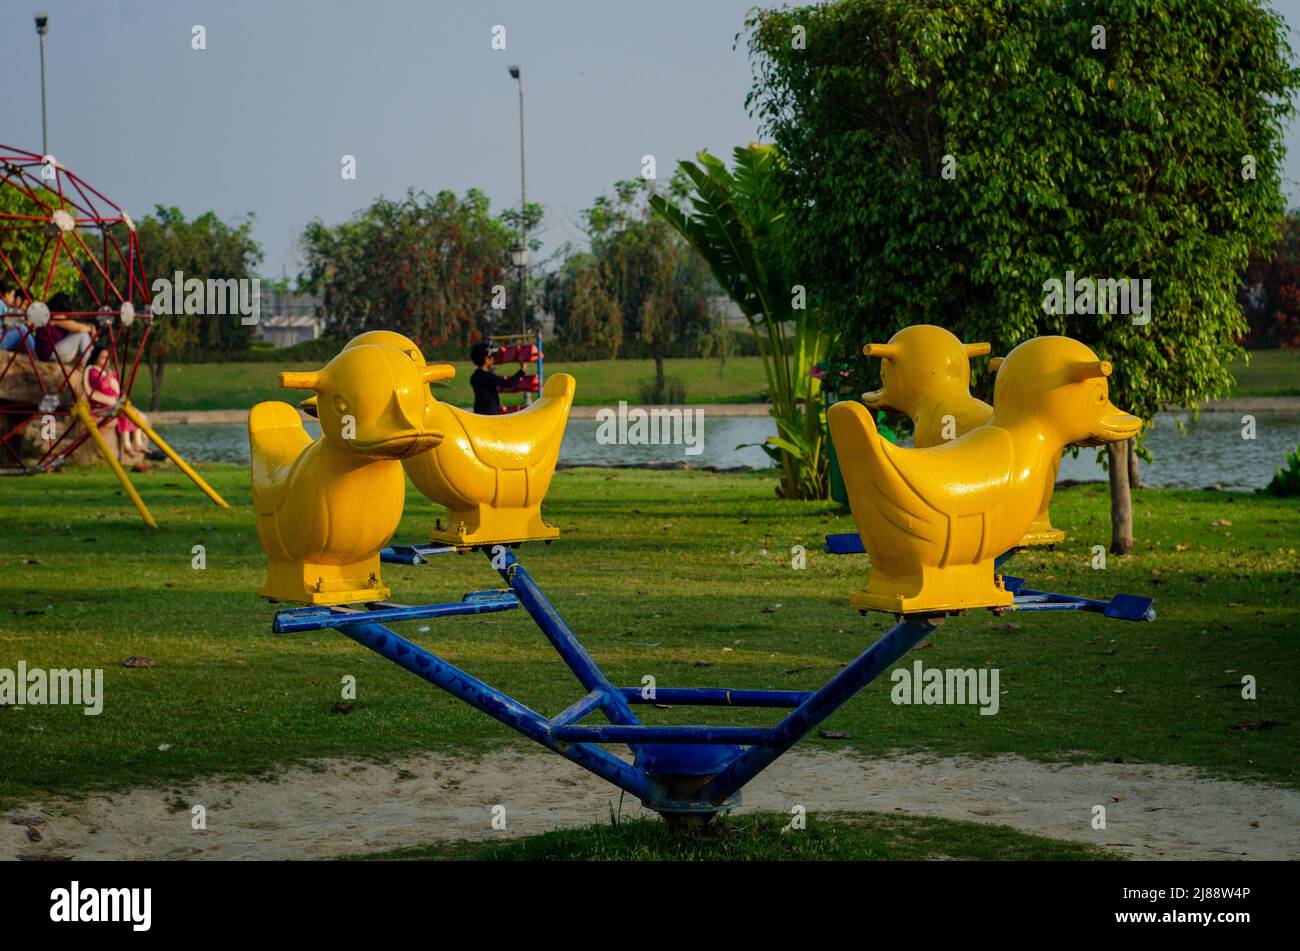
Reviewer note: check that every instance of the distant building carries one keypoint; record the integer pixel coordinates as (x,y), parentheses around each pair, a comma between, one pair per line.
(289,318)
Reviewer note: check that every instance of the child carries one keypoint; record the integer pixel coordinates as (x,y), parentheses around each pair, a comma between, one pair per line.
(486,384)
(103,387)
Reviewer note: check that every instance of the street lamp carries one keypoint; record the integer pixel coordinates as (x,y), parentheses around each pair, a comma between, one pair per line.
(43,27)
(519,253)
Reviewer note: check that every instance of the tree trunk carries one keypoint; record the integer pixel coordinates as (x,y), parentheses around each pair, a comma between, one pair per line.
(661,384)
(1121,499)
(1134,475)
(155,379)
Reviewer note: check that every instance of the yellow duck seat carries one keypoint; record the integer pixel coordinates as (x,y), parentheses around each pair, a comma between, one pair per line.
(491,473)
(324,508)
(934,519)
(925,375)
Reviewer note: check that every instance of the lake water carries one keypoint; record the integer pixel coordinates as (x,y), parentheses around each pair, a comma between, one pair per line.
(1211,452)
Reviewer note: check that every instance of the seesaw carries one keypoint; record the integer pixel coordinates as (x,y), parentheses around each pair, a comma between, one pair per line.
(687,773)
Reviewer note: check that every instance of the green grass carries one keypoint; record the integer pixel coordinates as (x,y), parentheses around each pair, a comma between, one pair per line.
(203,386)
(682,575)
(1269,373)
(757,837)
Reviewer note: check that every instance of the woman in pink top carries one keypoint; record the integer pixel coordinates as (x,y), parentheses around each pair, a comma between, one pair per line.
(103,387)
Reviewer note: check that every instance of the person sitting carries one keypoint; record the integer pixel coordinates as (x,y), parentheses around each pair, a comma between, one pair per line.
(19,337)
(486,384)
(104,387)
(63,337)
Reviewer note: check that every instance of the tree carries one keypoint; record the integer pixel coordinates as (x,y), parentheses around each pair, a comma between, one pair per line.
(661,286)
(26,246)
(736,222)
(946,159)
(588,319)
(429,266)
(207,248)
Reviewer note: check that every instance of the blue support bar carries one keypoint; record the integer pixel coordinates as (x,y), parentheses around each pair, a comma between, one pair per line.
(557,632)
(717,697)
(294,620)
(413,554)
(872,662)
(701,735)
(579,710)
(501,707)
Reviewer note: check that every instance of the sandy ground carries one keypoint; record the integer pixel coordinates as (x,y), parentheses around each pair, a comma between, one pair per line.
(340,807)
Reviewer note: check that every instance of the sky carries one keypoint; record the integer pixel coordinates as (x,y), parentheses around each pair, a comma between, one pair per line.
(260,120)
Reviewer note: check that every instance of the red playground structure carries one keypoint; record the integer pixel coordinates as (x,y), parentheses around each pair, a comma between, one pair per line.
(523,349)
(74,287)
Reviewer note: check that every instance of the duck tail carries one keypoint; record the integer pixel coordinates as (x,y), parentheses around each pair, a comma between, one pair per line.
(275,438)
(858,445)
(559,386)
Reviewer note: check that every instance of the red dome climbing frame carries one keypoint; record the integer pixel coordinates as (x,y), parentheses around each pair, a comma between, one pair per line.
(70,253)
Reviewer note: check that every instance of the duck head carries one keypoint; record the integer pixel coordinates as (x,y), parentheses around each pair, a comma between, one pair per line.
(394,341)
(1060,384)
(919,364)
(371,400)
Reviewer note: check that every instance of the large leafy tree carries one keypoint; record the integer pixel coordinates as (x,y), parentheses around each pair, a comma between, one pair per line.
(424,265)
(736,221)
(203,247)
(947,158)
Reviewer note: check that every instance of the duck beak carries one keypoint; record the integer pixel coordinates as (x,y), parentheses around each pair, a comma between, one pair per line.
(401,445)
(876,400)
(1114,426)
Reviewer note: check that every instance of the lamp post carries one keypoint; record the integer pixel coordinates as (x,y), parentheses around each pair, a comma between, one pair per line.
(519,253)
(43,27)
(519,258)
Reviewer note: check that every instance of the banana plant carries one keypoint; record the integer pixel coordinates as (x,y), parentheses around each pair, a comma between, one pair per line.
(735,219)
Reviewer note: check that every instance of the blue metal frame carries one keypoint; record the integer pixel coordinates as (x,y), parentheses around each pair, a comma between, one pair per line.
(1121,607)
(694,769)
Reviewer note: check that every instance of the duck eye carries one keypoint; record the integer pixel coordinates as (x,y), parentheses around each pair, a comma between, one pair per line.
(340,405)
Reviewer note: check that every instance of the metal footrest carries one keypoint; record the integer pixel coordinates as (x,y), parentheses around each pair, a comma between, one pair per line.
(1122,607)
(317,618)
